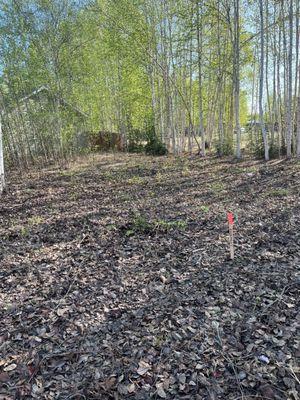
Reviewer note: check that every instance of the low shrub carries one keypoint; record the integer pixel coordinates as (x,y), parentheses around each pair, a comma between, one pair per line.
(155,147)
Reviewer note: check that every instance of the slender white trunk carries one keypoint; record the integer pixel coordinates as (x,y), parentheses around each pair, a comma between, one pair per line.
(298,114)
(199,45)
(290,88)
(297,46)
(279,101)
(190,128)
(236,76)
(261,82)
(2,180)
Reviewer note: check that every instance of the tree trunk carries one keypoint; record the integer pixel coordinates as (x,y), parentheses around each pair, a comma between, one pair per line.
(236,76)
(290,87)
(279,98)
(298,114)
(2,179)
(261,82)
(199,48)
(190,128)
(297,61)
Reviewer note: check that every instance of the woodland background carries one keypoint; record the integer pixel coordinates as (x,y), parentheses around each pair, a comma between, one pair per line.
(176,74)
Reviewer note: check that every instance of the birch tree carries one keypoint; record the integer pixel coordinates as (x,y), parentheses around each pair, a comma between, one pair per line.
(2,178)
(261,82)
(289,132)
(200,50)
(236,76)
(150,66)
(298,114)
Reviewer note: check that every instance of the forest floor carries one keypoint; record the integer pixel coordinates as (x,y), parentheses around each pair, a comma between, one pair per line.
(115,281)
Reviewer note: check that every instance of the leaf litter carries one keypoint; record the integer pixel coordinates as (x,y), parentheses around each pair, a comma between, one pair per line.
(115,281)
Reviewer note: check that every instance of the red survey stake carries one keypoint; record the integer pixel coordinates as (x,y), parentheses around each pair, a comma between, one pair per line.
(230,218)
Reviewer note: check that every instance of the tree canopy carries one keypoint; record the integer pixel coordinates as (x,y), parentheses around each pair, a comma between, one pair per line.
(188,72)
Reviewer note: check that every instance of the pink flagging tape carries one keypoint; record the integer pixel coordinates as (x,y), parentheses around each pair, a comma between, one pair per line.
(230,218)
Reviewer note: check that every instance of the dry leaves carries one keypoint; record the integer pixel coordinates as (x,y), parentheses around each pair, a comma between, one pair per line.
(97,302)
(143,368)
(10,367)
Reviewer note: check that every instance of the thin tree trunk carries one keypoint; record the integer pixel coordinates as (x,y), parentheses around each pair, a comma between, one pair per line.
(221,90)
(200,105)
(290,87)
(270,113)
(2,178)
(298,114)
(279,99)
(261,82)
(236,76)
(274,111)
(297,61)
(190,128)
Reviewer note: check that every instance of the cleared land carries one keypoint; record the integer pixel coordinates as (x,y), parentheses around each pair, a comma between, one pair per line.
(115,281)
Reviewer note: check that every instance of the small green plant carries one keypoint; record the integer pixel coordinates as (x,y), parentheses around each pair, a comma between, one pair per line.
(217,186)
(135,180)
(250,169)
(256,302)
(141,225)
(126,197)
(281,192)
(67,172)
(73,196)
(158,341)
(167,225)
(168,164)
(159,177)
(108,176)
(35,220)
(243,170)
(138,225)
(28,190)
(111,227)
(24,231)
(185,171)
(204,209)
(151,194)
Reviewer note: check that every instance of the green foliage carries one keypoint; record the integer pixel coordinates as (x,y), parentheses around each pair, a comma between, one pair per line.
(217,187)
(140,224)
(257,148)
(185,170)
(280,192)
(135,147)
(107,61)
(24,231)
(204,209)
(168,225)
(35,220)
(136,139)
(135,180)
(226,148)
(154,146)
